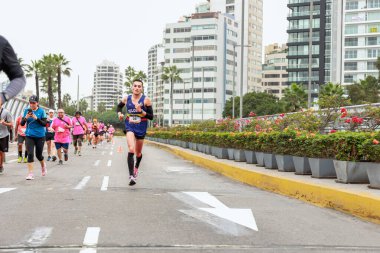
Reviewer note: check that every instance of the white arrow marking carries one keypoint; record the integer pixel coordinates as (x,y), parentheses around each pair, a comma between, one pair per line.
(243,217)
(2,190)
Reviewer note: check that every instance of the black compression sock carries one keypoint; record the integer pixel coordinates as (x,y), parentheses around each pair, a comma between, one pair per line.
(131,162)
(26,153)
(20,154)
(138,160)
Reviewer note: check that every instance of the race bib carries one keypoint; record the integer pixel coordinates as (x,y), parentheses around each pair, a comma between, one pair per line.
(61,130)
(134,119)
(77,124)
(23,130)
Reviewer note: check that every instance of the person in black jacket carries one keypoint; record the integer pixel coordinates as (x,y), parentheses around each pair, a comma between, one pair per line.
(10,65)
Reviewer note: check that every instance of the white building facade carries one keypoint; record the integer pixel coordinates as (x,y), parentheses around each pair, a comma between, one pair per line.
(253,37)
(275,76)
(204,96)
(108,85)
(361,39)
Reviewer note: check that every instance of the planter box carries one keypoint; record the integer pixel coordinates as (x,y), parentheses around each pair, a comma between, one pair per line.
(322,168)
(373,172)
(350,172)
(184,144)
(231,152)
(260,159)
(200,148)
(239,155)
(208,149)
(250,157)
(301,165)
(270,161)
(193,146)
(220,153)
(285,163)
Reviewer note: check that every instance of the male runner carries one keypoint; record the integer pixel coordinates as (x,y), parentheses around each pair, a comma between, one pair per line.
(139,110)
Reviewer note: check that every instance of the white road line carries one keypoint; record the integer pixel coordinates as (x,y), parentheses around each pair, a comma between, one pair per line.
(97,163)
(111,153)
(82,183)
(91,237)
(39,236)
(2,190)
(106,179)
(109,163)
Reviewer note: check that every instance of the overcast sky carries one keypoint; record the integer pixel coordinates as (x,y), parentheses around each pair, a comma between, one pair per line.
(88,31)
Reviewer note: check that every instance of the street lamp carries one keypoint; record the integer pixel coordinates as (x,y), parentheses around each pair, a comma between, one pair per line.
(233,82)
(310,53)
(184,92)
(192,81)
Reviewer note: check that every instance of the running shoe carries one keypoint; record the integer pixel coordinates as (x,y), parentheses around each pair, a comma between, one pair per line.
(75,152)
(19,159)
(29,176)
(1,170)
(49,158)
(79,153)
(135,172)
(54,158)
(25,159)
(60,162)
(132,180)
(66,156)
(44,171)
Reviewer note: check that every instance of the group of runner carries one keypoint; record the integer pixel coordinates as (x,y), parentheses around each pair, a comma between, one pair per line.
(34,126)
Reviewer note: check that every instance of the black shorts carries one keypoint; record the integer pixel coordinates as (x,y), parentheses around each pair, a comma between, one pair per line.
(20,139)
(4,144)
(78,137)
(49,136)
(138,137)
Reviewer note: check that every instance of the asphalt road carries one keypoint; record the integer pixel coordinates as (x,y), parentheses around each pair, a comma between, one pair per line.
(86,205)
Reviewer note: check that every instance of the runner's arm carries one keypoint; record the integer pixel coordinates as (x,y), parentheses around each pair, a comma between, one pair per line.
(149,109)
(42,121)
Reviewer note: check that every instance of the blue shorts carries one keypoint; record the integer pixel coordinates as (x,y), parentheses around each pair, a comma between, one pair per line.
(138,129)
(61,145)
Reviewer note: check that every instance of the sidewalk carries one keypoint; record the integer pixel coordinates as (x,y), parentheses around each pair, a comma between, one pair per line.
(354,199)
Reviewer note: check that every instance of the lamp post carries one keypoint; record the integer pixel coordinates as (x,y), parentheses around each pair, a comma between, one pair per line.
(184,99)
(310,54)
(242,59)
(203,86)
(162,97)
(192,81)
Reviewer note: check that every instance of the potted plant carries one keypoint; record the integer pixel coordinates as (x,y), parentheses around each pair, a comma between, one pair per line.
(268,143)
(370,152)
(300,160)
(283,150)
(250,147)
(320,150)
(346,162)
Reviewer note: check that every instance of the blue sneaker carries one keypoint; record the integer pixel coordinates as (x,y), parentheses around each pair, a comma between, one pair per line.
(49,158)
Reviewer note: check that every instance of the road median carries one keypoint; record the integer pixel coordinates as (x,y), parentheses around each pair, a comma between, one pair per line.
(355,200)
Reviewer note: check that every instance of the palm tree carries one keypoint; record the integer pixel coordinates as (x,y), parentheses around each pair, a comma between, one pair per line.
(131,74)
(48,72)
(61,69)
(171,74)
(34,69)
(295,98)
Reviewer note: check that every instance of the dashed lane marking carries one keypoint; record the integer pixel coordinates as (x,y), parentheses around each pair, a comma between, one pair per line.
(106,180)
(82,183)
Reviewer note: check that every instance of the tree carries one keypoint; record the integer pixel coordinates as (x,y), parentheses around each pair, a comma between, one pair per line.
(377,64)
(83,105)
(66,100)
(131,74)
(61,69)
(101,107)
(367,91)
(260,103)
(48,71)
(171,74)
(34,69)
(295,98)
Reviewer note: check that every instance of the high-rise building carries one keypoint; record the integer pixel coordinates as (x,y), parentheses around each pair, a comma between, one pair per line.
(309,42)
(155,70)
(361,39)
(275,76)
(108,85)
(202,94)
(152,69)
(253,37)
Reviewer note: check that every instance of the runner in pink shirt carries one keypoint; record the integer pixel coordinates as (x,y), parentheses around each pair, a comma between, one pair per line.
(62,125)
(89,129)
(111,131)
(79,130)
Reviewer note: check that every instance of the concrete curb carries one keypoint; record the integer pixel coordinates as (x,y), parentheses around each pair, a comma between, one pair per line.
(362,205)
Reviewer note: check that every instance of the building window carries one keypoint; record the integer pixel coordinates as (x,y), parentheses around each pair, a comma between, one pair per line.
(351,54)
(352,5)
(350,66)
(351,42)
(182,30)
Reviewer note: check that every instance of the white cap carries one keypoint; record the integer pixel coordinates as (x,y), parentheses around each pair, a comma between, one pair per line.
(51,110)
